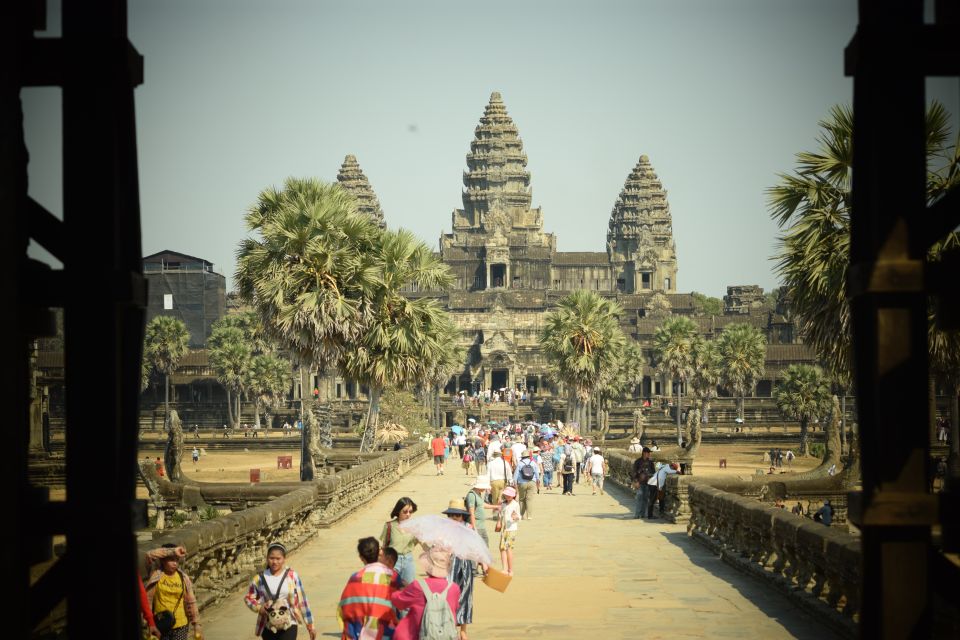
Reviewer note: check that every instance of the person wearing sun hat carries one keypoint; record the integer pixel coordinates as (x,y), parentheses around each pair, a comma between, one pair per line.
(635,446)
(509,524)
(476,507)
(436,564)
(461,570)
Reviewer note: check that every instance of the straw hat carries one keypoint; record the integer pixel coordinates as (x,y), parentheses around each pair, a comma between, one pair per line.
(483,482)
(635,441)
(456,507)
(436,562)
(510,491)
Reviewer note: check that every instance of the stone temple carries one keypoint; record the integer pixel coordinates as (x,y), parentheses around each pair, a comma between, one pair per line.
(508,273)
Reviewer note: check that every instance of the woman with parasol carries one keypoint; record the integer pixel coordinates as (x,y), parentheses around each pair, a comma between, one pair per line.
(461,569)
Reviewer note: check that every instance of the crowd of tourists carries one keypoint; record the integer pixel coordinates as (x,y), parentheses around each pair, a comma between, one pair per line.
(490,396)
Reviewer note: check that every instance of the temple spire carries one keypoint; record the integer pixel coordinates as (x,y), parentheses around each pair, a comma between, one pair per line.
(354,182)
(641,227)
(496,180)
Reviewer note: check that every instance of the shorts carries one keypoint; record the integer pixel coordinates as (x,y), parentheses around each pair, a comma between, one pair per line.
(438,459)
(508,540)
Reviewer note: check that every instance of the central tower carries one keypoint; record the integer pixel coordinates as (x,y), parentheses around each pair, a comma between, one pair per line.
(498,240)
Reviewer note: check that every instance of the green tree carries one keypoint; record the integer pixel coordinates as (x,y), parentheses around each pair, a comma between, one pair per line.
(268,379)
(704,305)
(582,339)
(743,350)
(402,338)
(673,343)
(230,357)
(707,368)
(619,381)
(803,394)
(309,275)
(812,208)
(166,342)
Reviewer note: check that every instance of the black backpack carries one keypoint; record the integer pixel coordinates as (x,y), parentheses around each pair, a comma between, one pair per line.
(568,463)
(526,472)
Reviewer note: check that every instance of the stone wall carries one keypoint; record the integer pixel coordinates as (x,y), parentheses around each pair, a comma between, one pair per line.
(816,565)
(225,552)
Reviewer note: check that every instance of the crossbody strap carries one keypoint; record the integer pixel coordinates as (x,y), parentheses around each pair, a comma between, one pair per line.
(266,587)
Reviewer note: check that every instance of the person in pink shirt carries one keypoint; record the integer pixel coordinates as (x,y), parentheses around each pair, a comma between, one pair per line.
(436,563)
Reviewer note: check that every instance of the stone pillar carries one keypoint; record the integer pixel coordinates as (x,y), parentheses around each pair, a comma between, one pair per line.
(507,282)
(487,378)
(487,284)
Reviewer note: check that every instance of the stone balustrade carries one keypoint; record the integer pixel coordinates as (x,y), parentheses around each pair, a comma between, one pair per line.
(818,565)
(224,552)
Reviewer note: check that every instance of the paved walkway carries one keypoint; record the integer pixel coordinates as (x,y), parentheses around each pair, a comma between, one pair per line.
(585,569)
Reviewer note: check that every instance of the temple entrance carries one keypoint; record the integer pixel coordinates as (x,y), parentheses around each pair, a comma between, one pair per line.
(498,379)
(497,274)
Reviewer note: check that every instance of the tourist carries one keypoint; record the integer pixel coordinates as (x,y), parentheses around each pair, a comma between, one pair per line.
(824,515)
(517,448)
(789,458)
(797,510)
(476,506)
(508,526)
(597,469)
(436,564)
(546,465)
(393,536)
(364,609)
(658,481)
(568,469)
(494,445)
(527,480)
(654,446)
(461,442)
(643,470)
(466,459)
(195,454)
(579,455)
(634,446)
(158,465)
(500,472)
(438,445)
(274,588)
(170,592)
(461,571)
(389,557)
(226,432)
(557,457)
(479,456)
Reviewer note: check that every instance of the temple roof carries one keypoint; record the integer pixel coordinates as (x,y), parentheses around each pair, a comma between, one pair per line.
(581,257)
(354,182)
(496,176)
(640,222)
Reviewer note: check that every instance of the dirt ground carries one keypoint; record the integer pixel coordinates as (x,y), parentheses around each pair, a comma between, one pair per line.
(234,466)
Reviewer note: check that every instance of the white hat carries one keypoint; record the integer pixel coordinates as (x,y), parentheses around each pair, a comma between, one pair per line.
(483,482)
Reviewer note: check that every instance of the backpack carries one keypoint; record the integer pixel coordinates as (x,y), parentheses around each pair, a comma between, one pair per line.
(526,472)
(568,463)
(437,622)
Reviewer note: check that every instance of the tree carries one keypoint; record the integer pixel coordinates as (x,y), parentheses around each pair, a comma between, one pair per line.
(267,381)
(704,305)
(707,369)
(403,338)
(743,350)
(812,208)
(583,340)
(803,394)
(618,381)
(673,343)
(308,276)
(166,342)
(230,358)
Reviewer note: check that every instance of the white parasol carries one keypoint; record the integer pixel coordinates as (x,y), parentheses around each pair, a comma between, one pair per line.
(462,541)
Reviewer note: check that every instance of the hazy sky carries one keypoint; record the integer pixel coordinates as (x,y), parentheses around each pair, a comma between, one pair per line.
(239,94)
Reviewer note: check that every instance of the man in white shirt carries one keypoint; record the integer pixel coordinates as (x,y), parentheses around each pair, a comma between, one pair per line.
(658,480)
(596,467)
(518,447)
(500,472)
(635,446)
(495,446)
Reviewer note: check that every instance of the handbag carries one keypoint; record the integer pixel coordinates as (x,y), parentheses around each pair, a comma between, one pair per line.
(164,620)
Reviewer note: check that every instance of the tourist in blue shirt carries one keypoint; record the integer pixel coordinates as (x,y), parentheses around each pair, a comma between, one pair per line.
(527,480)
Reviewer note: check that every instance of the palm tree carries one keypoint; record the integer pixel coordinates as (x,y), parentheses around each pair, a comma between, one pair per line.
(673,343)
(803,394)
(707,368)
(403,339)
(743,350)
(812,207)
(309,276)
(267,380)
(166,342)
(619,381)
(583,341)
(230,358)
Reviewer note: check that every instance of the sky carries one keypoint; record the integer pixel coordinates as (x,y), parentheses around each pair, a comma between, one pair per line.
(240,94)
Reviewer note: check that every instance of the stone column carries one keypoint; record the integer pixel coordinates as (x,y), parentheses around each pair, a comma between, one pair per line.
(487,284)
